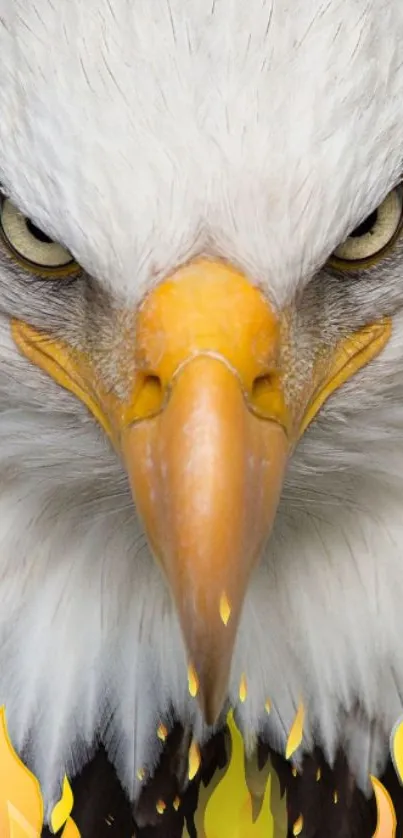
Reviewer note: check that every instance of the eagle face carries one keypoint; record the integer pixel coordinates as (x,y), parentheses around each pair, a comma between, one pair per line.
(200,375)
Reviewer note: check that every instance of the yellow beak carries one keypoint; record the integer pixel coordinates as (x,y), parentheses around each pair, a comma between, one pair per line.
(206,469)
(205,434)
(206,475)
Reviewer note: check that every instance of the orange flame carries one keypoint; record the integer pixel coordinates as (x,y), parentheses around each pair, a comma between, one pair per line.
(386,819)
(298,826)
(193,681)
(162,732)
(70,830)
(21,804)
(225,609)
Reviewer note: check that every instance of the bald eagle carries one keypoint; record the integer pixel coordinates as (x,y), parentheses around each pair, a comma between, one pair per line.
(201,388)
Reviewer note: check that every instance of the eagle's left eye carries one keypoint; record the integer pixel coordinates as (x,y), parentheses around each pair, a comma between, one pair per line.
(373,238)
(30,246)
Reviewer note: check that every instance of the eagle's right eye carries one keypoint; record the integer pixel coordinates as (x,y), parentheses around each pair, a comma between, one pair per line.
(30,246)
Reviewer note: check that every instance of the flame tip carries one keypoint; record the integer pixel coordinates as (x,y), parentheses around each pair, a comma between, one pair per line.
(298,826)
(243,689)
(193,681)
(386,815)
(194,760)
(162,732)
(296,733)
(225,608)
(396,748)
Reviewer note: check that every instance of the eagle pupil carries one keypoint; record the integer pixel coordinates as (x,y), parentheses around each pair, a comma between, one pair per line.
(366,226)
(37,233)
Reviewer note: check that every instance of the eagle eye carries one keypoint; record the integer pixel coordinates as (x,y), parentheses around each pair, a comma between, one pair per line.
(30,246)
(374,237)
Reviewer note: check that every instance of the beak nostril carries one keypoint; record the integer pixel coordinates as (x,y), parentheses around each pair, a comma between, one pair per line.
(267,399)
(150,396)
(153,383)
(263,386)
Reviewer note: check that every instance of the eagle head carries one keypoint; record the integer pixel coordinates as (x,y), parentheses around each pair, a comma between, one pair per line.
(201,387)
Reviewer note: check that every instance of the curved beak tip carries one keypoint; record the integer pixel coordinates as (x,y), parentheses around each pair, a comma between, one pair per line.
(212,693)
(211,704)
(210,645)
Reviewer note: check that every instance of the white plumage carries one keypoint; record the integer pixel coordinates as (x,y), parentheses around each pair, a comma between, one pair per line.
(141,134)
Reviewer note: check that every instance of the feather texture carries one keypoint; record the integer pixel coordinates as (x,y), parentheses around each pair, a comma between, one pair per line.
(138,135)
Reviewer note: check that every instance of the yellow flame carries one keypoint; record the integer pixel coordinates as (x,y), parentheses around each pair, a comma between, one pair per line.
(193,681)
(396,748)
(296,733)
(318,775)
(63,808)
(141,774)
(243,689)
(226,807)
(225,608)
(335,797)
(267,706)
(162,732)
(298,826)
(194,760)
(386,816)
